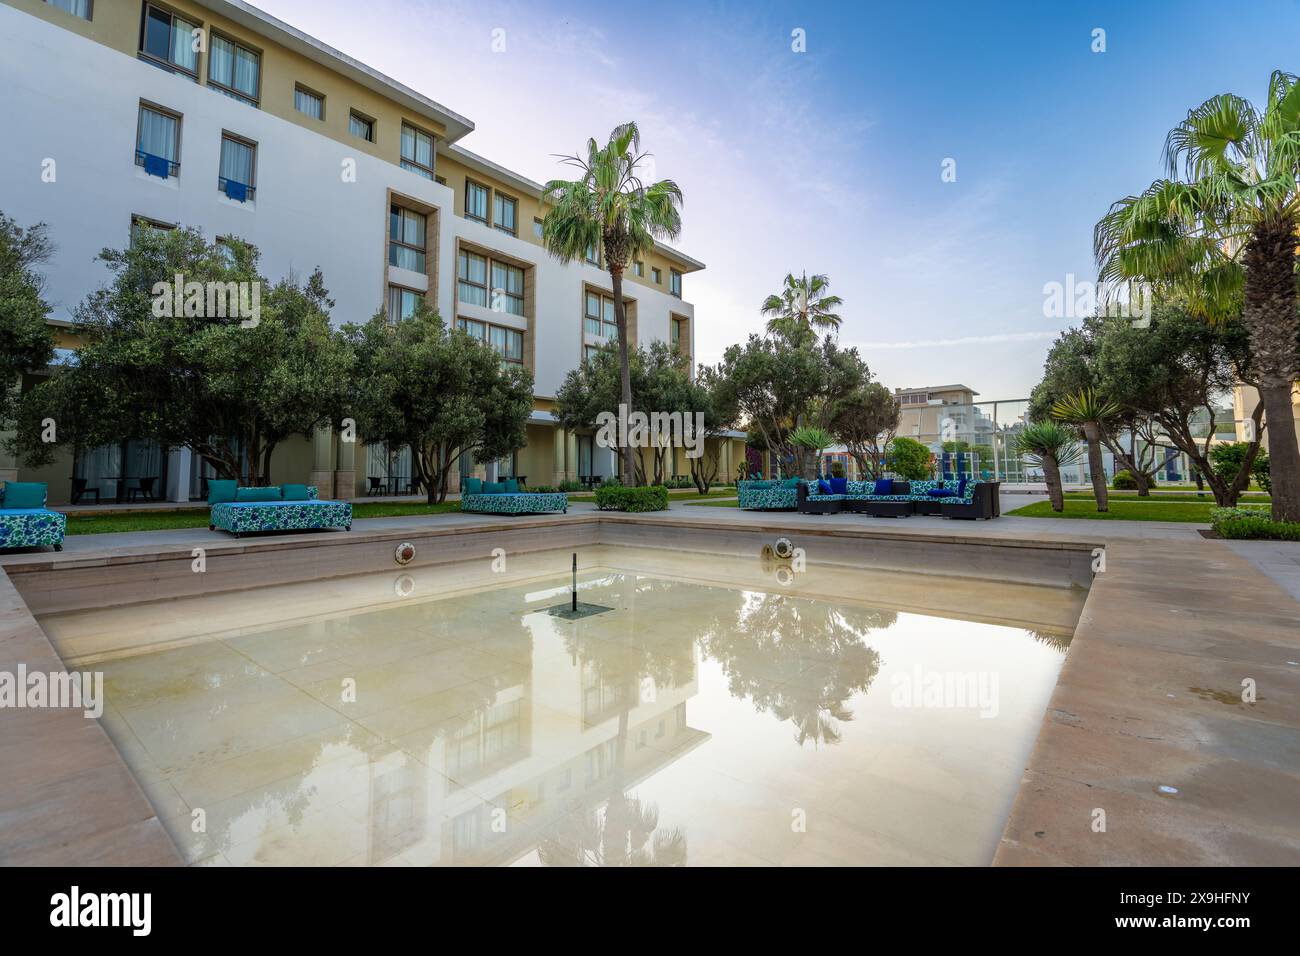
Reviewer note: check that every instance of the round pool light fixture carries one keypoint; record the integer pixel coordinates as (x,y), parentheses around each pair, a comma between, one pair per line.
(404,553)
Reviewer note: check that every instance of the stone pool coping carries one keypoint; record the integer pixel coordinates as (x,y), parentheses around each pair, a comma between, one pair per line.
(1140,703)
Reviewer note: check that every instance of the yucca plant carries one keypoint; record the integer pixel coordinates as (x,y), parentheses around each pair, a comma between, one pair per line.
(1221,231)
(609,212)
(1050,445)
(813,440)
(801,308)
(1091,414)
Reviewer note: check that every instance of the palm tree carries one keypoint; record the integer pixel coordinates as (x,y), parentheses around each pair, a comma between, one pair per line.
(1050,446)
(609,209)
(1221,230)
(1091,414)
(810,441)
(801,308)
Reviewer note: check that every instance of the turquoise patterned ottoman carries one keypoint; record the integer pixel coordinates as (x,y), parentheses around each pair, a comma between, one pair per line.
(520,503)
(767,495)
(32,528)
(243,517)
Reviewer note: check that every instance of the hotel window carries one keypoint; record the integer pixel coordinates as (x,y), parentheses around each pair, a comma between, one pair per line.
(406,239)
(537,227)
(592,256)
(235,70)
(361,126)
(657,276)
(507,288)
(598,316)
(471,279)
(309,103)
(675,334)
(476,201)
(638,268)
(401,303)
(143,224)
(158,142)
(675,282)
(589,352)
(417,151)
(79,8)
(504,210)
(226,249)
(238,173)
(168,41)
(508,343)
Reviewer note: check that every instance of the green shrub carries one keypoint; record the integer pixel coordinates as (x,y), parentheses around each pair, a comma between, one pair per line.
(618,498)
(1123,481)
(571,486)
(909,459)
(542,489)
(1252,523)
(1226,461)
(612,483)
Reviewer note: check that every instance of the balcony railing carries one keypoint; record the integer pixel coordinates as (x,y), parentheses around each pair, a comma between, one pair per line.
(159,166)
(240,192)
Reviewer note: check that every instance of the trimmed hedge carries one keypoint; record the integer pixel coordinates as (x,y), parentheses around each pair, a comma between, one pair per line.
(618,498)
(1252,523)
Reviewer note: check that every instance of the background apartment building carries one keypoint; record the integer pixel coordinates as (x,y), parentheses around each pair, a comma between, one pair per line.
(114,122)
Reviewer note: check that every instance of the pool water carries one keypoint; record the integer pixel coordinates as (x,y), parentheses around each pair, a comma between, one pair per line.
(692,723)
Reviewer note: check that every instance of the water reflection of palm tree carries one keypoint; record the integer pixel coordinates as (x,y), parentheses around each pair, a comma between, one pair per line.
(627,834)
(799,659)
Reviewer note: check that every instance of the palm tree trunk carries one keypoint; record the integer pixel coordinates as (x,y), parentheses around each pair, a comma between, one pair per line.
(1092,435)
(1052,473)
(1269,314)
(624,369)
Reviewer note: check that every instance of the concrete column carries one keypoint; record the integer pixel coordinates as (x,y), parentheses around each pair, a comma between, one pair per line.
(558,441)
(345,475)
(180,461)
(571,456)
(322,461)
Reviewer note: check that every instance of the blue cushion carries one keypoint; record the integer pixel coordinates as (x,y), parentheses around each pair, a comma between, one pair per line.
(512,486)
(883,486)
(221,490)
(824,487)
(24,494)
(295,493)
(270,493)
(961,488)
(941,493)
(471,486)
(494,487)
(839,486)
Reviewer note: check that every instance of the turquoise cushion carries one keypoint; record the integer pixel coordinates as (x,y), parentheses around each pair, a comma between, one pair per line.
(512,486)
(471,486)
(221,490)
(791,483)
(25,494)
(494,487)
(295,492)
(259,494)
(759,485)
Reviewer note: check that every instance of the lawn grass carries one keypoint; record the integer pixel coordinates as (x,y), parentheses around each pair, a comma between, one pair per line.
(733,503)
(1250,497)
(1176,511)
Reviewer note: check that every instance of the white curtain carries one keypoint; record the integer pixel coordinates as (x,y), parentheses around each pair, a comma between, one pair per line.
(158,134)
(183,52)
(237,161)
(80,7)
(245,72)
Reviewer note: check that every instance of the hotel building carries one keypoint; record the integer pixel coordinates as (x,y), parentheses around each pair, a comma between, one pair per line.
(126,114)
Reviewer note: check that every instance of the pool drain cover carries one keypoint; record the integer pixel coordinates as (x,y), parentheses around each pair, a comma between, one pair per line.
(567,612)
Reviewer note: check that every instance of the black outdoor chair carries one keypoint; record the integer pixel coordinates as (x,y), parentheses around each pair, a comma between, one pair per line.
(80,489)
(144,490)
(377,486)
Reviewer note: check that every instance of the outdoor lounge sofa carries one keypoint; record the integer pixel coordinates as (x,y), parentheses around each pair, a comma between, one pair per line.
(25,522)
(963,498)
(779,494)
(275,508)
(505,498)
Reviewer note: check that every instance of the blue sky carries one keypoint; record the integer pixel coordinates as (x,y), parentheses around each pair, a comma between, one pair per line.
(830,160)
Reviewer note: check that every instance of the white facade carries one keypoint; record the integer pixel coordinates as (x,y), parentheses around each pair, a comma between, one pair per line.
(67,158)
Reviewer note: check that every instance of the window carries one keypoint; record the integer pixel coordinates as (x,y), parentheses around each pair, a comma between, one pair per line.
(508,343)
(471,278)
(537,227)
(238,172)
(406,239)
(401,303)
(638,267)
(598,316)
(591,256)
(361,126)
(679,334)
(141,225)
(309,103)
(235,70)
(440,180)
(168,41)
(675,282)
(657,276)
(158,142)
(417,151)
(507,288)
(589,352)
(504,209)
(79,8)
(476,201)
